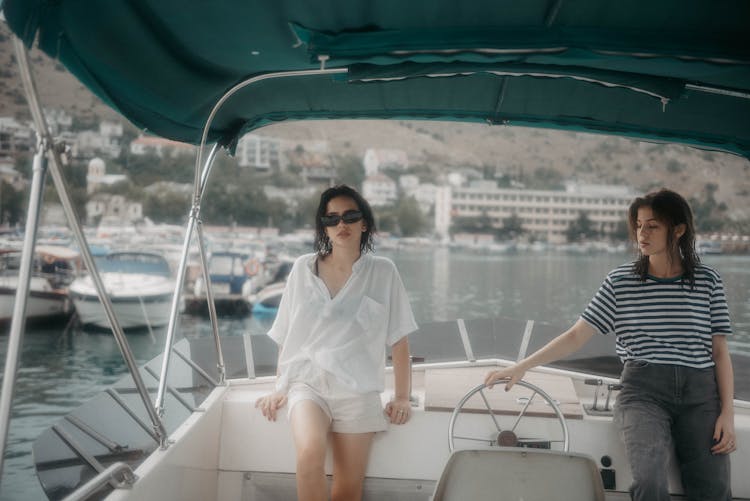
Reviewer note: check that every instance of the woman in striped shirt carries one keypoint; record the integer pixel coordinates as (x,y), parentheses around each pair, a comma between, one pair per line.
(670,319)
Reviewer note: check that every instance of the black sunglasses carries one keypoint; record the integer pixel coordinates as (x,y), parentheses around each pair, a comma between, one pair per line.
(349,217)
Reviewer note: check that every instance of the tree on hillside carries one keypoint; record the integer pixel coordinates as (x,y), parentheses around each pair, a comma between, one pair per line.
(149,168)
(472,224)
(410,219)
(581,229)
(512,228)
(386,219)
(349,170)
(167,207)
(12,204)
(621,232)
(709,216)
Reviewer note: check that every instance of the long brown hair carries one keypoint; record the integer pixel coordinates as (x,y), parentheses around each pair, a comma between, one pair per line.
(671,209)
(322,243)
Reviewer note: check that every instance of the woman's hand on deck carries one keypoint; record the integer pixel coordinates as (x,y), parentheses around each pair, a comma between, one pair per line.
(269,404)
(511,374)
(398,410)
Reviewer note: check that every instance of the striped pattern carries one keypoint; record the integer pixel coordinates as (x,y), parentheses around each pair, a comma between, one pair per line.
(661,320)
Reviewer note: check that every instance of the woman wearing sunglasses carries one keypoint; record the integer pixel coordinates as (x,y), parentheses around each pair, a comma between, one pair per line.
(340,309)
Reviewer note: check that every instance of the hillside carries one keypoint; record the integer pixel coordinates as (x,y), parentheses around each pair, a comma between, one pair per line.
(513,150)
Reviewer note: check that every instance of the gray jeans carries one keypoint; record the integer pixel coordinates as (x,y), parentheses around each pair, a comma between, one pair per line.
(665,407)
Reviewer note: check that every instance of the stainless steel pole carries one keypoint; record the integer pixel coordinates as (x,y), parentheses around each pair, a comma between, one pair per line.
(199,187)
(55,171)
(18,322)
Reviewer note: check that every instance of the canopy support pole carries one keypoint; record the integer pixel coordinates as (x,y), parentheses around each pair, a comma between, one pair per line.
(201,179)
(199,183)
(18,322)
(55,169)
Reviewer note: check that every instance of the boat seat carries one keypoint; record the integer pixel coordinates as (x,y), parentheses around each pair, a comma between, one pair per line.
(512,473)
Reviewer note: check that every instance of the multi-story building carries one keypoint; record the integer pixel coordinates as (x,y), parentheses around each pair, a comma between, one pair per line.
(97,176)
(376,159)
(379,190)
(423,193)
(15,138)
(113,207)
(544,214)
(260,152)
(106,141)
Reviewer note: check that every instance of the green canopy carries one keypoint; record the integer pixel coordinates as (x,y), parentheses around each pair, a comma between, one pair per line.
(667,70)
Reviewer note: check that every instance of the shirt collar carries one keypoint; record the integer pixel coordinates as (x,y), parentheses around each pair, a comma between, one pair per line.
(356,266)
(364,258)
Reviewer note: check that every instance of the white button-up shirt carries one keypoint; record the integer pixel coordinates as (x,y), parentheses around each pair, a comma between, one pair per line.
(345,335)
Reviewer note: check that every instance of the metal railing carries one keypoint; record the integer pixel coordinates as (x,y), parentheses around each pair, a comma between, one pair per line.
(104,477)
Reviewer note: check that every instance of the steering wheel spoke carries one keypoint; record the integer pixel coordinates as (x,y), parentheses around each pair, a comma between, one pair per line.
(503,426)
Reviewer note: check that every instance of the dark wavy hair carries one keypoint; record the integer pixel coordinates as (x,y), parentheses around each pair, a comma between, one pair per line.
(322,242)
(671,209)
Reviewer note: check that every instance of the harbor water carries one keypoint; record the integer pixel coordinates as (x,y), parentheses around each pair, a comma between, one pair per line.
(61,368)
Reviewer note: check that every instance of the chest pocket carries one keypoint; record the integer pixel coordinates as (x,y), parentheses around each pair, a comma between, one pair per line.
(371,316)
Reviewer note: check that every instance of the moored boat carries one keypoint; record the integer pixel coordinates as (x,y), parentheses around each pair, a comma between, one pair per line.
(140,285)
(55,267)
(233,275)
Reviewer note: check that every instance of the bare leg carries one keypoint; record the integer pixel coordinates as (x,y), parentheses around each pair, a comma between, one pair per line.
(310,432)
(351,452)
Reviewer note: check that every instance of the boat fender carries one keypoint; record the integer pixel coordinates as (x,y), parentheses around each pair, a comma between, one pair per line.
(252,267)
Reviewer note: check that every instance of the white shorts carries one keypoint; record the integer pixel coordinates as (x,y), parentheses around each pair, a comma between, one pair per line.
(349,412)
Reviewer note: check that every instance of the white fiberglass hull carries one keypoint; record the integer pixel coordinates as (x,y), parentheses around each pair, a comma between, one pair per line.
(228,450)
(43,301)
(139,300)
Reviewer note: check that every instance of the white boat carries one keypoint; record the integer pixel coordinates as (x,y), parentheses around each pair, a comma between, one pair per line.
(662,71)
(266,301)
(54,269)
(140,285)
(225,450)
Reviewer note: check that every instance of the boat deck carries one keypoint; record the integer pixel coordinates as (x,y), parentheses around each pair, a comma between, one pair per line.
(229,451)
(224,449)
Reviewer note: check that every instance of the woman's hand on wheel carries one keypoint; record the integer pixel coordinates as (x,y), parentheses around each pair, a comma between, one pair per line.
(511,374)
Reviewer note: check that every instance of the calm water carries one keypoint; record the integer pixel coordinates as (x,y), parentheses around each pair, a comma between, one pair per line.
(60,370)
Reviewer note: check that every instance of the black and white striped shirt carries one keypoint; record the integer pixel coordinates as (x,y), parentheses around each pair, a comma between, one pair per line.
(661,320)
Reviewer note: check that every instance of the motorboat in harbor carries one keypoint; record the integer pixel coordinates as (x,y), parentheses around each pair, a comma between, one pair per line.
(665,71)
(140,285)
(265,302)
(55,267)
(234,275)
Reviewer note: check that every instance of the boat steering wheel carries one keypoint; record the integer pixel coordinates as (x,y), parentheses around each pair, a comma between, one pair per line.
(501,430)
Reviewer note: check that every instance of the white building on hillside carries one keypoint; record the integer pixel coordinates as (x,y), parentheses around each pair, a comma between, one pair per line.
(260,152)
(15,138)
(377,158)
(97,176)
(379,190)
(160,147)
(423,193)
(58,120)
(106,141)
(545,214)
(115,207)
